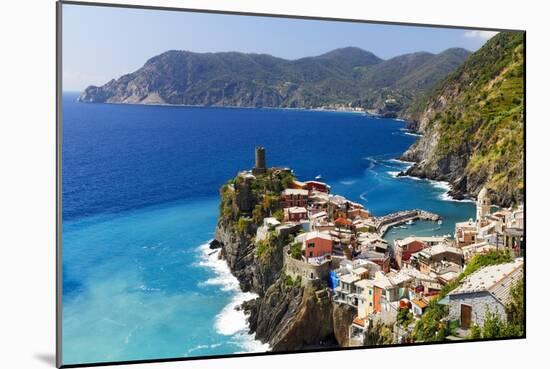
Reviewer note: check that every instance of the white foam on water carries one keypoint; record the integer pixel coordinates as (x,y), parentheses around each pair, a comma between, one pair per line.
(144,288)
(410,177)
(231,321)
(413,134)
(399,161)
(393,173)
(202,347)
(446,187)
(372,162)
(224,279)
(446,197)
(440,184)
(348,183)
(249,344)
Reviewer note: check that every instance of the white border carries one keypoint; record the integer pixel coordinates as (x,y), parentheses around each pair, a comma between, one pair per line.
(27,152)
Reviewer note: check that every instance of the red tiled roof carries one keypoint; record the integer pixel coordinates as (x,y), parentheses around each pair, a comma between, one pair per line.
(344,221)
(359,321)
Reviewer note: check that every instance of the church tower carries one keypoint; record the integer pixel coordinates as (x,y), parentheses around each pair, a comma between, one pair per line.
(483,205)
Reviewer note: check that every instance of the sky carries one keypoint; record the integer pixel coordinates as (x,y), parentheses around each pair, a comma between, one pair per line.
(102,43)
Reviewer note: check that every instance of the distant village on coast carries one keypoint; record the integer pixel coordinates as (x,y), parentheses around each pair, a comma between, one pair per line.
(417,289)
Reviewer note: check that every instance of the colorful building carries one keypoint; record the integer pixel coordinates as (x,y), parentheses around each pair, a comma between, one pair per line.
(317,186)
(295,213)
(292,197)
(317,244)
(404,248)
(465,233)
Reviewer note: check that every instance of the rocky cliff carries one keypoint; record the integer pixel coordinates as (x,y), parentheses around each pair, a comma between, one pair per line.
(472,124)
(287,315)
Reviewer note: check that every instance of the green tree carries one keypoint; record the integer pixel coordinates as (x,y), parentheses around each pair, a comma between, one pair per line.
(296,250)
(475,332)
(279,215)
(516,308)
(404,317)
(432,327)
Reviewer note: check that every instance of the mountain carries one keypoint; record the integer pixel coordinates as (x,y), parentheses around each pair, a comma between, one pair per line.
(343,77)
(472,124)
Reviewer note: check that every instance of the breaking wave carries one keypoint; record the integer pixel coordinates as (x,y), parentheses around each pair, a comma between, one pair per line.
(231,321)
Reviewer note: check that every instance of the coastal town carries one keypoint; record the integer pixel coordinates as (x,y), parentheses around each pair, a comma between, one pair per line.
(336,246)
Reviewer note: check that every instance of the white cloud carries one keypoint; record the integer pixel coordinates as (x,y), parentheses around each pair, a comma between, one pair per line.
(480,34)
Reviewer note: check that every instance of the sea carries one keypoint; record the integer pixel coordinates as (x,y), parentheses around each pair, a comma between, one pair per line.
(140,197)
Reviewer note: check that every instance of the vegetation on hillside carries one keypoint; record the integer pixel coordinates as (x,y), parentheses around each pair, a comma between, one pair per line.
(347,77)
(247,200)
(475,117)
(261,193)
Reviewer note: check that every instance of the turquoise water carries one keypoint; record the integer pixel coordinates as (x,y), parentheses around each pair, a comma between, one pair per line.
(148,291)
(140,202)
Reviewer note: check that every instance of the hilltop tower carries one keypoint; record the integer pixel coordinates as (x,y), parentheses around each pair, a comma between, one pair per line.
(483,205)
(260,167)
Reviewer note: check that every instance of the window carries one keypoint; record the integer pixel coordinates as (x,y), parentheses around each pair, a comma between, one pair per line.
(370,292)
(311,245)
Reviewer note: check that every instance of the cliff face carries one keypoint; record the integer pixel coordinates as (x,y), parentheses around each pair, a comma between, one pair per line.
(291,317)
(244,204)
(472,124)
(287,315)
(239,251)
(342,317)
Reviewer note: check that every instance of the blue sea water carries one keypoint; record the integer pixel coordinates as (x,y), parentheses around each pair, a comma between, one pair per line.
(140,201)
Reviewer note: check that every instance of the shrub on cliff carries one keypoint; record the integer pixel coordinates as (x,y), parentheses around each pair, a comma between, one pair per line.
(290,282)
(379,334)
(404,318)
(243,224)
(279,215)
(296,250)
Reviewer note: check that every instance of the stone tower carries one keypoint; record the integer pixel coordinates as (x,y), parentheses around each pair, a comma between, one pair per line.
(260,167)
(483,205)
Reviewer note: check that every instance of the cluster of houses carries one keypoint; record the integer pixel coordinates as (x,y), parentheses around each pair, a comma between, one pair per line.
(341,247)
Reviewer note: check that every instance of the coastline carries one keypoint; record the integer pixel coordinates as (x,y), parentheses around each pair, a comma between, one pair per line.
(444,185)
(230,107)
(231,321)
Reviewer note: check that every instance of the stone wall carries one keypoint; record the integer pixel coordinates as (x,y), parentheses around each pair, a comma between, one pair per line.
(480,302)
(309,273)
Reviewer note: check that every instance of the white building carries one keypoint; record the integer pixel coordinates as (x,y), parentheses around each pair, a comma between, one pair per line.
(483,205)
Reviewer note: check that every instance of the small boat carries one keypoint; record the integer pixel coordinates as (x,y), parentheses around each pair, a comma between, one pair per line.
(440,222)
(409,222)
(318,177)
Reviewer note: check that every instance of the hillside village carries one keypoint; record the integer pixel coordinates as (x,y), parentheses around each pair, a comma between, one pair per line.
(416,289)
